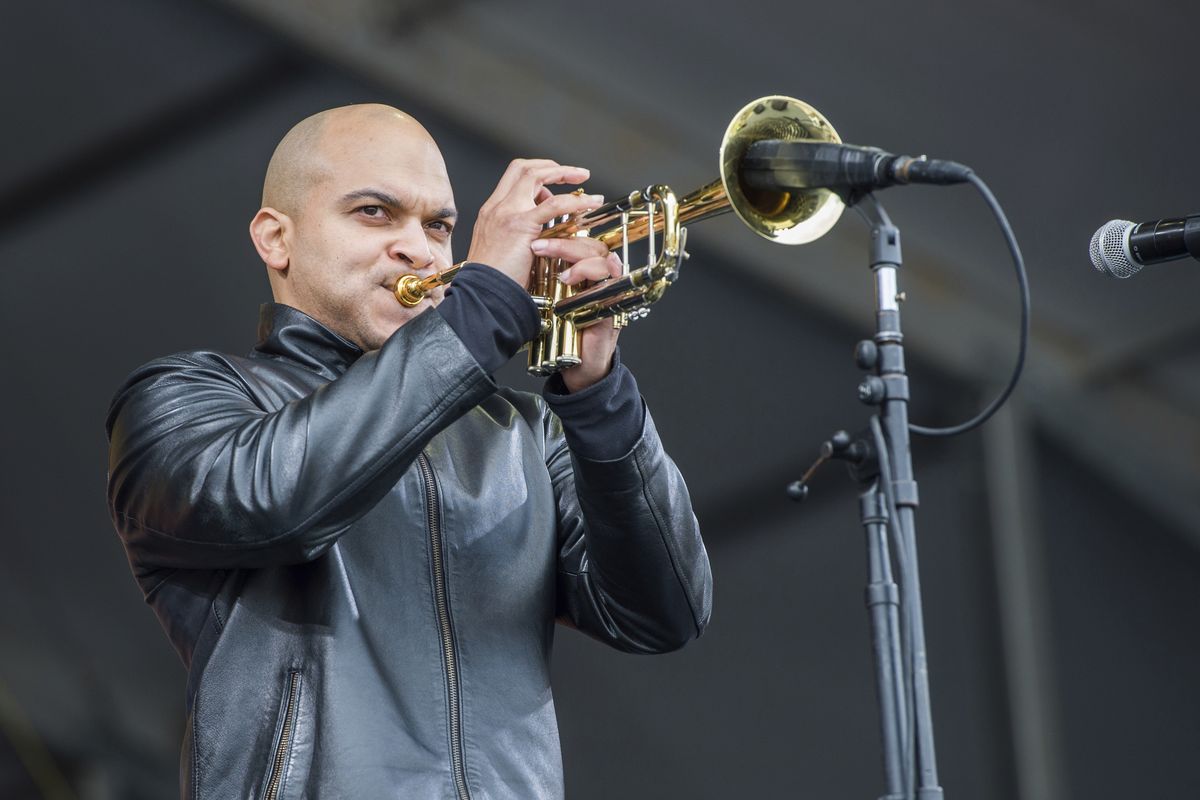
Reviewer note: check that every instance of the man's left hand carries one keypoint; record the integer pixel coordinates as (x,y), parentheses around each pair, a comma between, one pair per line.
(590,260)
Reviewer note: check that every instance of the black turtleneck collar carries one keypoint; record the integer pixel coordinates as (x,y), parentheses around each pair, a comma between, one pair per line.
(289,333)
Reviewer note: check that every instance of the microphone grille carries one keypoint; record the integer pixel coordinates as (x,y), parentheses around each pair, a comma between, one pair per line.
(1110,249)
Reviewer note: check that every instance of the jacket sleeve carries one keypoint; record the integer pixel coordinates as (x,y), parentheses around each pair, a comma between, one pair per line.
(632,568)
(200,476)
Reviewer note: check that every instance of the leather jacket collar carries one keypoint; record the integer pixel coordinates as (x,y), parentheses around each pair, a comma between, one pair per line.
(286,332)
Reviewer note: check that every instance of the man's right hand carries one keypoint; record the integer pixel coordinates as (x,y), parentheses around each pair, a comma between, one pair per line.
(517,211)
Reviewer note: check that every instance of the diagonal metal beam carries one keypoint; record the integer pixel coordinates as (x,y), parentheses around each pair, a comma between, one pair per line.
(187,117)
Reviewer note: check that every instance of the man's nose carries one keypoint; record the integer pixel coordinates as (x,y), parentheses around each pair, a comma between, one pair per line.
(412,245)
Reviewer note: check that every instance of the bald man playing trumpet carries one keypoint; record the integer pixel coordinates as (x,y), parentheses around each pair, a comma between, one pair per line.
(356,541)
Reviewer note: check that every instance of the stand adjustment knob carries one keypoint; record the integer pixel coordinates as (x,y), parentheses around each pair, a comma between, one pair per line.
(836,445)
(797,491)
(872,390)
(866,354)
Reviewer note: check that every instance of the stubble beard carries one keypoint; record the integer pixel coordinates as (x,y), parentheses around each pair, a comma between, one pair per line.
(353,319)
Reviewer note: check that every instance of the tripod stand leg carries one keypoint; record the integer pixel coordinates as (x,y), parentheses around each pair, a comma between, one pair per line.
(883,606)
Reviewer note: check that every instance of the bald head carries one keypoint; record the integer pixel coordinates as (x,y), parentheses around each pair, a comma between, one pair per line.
(354,198)
(307,155)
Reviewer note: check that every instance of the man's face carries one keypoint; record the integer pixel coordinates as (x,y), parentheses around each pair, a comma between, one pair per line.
(383,208)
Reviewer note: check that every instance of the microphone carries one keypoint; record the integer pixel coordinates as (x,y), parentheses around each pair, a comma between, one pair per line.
(848,169)
(1121,248)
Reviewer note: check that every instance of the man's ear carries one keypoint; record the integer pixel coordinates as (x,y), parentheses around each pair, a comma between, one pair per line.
(270,231)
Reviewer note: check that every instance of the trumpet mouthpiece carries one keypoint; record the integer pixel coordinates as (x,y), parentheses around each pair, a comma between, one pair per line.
(409,291)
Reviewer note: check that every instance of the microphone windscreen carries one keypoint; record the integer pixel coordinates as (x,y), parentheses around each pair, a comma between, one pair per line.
(1110,249)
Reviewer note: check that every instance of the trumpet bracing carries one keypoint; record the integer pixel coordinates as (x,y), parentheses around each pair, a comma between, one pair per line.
(657,215)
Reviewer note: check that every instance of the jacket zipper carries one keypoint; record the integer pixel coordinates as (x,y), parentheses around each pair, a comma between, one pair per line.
(441,604)
(285,738)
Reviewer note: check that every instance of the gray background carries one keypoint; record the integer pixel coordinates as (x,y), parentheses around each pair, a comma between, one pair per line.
(1058,546)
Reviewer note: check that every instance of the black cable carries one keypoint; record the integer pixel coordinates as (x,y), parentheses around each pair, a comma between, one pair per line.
(1023,283)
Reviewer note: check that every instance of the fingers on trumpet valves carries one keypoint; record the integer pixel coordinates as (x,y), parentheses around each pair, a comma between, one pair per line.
(564,205)
(585,259)
(570,248)
(594,270)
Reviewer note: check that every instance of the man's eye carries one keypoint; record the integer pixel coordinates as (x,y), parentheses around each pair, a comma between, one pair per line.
(441,225)
(371,211)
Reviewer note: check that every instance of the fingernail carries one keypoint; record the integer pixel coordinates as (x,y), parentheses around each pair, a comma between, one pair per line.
(596,198)
(540,246)
(565,275)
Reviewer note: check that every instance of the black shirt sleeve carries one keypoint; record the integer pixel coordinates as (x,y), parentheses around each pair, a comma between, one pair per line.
(491,313)
(604,421)
(494,316)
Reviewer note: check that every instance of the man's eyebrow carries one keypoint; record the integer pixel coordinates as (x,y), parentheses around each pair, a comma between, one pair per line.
(385,199)
(373,194)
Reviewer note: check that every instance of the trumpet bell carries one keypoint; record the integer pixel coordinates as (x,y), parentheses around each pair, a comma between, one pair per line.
(795,217)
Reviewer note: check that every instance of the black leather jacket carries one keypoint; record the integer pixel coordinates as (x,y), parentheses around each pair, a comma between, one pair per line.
(360,559)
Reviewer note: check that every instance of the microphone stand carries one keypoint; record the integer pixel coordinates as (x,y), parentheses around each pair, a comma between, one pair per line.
(881,460)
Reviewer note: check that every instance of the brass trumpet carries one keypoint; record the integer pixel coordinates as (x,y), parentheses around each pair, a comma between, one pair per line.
(794,217)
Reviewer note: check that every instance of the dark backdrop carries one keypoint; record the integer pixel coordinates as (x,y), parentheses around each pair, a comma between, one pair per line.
(136,136)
